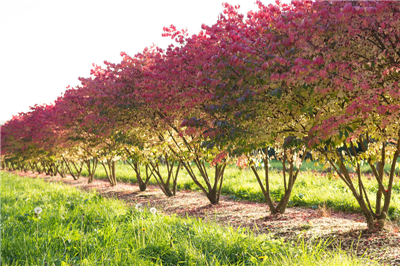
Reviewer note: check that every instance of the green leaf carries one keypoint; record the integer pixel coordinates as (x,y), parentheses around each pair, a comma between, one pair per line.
(310,110)
(349,129)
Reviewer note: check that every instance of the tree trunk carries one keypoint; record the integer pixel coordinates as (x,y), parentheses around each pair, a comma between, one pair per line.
(165,182)
(287,183)
(265,190)
(109,168)
(141,182)
(91,167)
(113,163)
(46,168)
(361,196)
(38,169)
(74,175)
(212,191)
(24,168)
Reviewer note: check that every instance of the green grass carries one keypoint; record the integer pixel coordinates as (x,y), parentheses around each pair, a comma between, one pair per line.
(311,188)
(315,166)
(112,233)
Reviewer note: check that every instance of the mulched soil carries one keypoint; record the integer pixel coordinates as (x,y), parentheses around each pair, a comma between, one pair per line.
(349,230)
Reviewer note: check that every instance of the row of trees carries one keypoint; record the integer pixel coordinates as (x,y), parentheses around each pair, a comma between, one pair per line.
(307,77)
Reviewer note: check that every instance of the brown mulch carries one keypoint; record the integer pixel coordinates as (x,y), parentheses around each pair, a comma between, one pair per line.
(349,230)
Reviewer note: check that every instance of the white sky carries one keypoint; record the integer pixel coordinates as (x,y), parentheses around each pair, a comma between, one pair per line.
(45,45)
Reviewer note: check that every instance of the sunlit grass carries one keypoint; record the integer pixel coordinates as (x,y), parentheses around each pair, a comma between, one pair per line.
(79,228)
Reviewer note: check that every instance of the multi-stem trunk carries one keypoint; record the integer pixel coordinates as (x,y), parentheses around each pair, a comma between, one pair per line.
(62,169)
(288,183)
(375,218)
(212,189)
(76,172)
(91,166)
(54,169)
(142,182)
(136,167)
(38,168)
(168,183)
(109,168)
(31,167)
(24,168)
(46,168)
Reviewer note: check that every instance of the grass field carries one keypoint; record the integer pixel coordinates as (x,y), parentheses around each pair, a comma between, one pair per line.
(311,189)
(79,228)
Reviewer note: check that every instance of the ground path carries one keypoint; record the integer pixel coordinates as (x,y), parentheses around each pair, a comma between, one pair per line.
(349,229)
